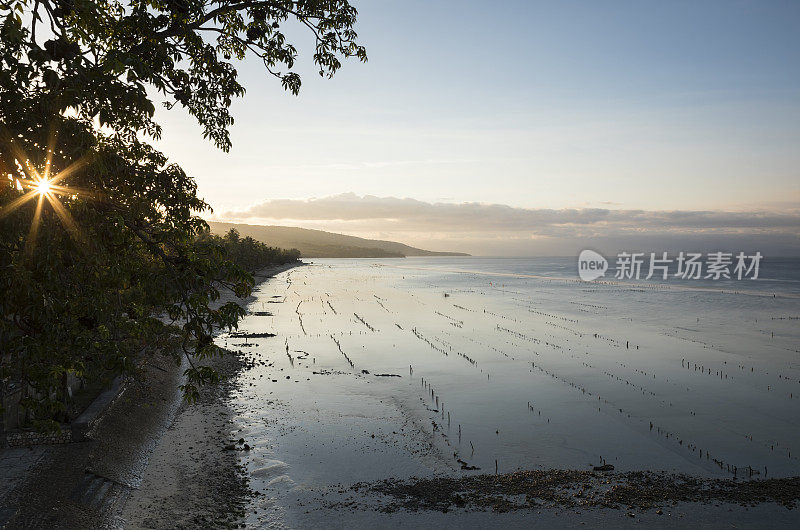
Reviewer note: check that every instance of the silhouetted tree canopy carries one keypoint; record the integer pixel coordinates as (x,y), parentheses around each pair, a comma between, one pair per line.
(99,57)
(248,253)
(112,262)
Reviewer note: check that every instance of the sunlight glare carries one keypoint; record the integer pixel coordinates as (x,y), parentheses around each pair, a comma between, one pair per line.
(46,189)
(43,186)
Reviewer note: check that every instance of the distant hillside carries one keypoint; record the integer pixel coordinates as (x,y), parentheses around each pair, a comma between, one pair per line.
(321,244)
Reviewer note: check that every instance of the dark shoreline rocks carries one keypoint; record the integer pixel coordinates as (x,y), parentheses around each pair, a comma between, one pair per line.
(528,490)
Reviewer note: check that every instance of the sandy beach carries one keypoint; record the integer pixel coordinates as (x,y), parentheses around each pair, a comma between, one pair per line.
(150,460)
(193,476)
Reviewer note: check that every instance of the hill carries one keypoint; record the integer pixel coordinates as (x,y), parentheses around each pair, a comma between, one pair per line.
(321,244)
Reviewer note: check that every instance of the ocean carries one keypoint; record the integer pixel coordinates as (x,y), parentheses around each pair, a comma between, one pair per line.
(422,366)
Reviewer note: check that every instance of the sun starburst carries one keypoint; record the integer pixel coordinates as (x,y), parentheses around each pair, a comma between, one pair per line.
(44,187)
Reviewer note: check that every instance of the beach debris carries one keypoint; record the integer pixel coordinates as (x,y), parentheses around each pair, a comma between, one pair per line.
(246,335)
(466,467)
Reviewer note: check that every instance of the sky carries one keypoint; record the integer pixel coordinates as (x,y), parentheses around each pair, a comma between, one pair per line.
(526,128)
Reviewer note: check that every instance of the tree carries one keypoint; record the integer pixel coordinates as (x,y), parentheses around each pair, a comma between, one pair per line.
(248,253)
(99,234)
(100,55)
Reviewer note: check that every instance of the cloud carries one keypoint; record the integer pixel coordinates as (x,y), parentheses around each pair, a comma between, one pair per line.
(370,213)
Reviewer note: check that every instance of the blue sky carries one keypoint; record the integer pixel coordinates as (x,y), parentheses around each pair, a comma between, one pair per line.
(618,105)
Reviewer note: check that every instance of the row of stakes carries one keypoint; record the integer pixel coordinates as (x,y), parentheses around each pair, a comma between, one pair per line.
(722,465)
(440,408)
(731,468)
(441,349)
(719,373)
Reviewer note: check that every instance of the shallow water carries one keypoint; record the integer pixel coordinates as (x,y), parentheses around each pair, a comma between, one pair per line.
(533,368)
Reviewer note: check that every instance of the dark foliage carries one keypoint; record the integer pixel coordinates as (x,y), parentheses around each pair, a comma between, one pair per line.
(103,258)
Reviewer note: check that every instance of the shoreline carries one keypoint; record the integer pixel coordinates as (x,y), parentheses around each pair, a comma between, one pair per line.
(137,455)
(192,476)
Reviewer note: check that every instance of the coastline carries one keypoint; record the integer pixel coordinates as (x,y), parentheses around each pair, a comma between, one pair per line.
(190,473)
(193,478)
(146,461)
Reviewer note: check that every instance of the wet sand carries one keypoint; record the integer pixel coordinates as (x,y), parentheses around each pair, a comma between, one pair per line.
(193,478)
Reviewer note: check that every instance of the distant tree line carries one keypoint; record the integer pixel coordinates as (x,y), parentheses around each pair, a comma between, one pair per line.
(248,253)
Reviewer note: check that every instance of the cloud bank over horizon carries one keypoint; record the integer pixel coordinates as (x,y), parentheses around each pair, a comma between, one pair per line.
(498,229)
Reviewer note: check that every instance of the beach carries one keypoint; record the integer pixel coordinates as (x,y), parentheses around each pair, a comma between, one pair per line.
(458,394)
(150,460)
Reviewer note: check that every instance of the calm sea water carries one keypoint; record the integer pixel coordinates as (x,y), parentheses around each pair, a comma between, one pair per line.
(397,368)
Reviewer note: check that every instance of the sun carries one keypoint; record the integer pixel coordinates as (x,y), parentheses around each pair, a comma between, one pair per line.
(43,186)
(47,189)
